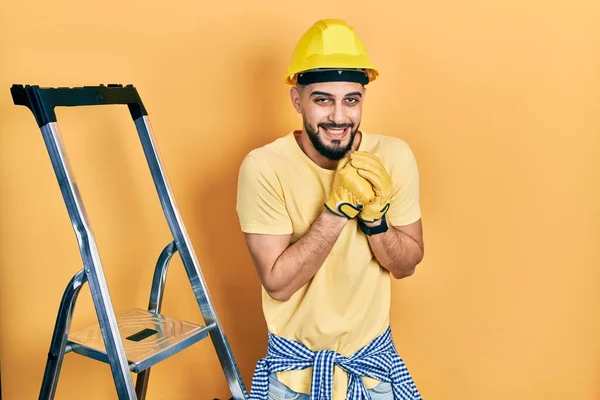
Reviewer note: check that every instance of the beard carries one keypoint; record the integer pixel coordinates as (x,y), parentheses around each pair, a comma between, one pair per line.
(336,151)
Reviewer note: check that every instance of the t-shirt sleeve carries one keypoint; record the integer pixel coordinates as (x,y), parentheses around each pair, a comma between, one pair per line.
(404,203)
(260,200)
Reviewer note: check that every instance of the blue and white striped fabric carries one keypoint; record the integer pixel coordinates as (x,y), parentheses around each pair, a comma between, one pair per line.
(378,360)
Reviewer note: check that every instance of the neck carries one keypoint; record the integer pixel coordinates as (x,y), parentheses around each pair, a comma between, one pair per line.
(312,153)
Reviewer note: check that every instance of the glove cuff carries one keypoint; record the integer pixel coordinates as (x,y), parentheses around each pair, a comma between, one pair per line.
(345,210)
(373,230)
(376,218)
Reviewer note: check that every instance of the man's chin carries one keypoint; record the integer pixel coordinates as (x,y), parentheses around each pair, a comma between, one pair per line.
(330,147)
(334,153)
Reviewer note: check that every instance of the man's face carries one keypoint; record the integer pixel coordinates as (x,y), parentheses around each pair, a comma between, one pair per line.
(331,113)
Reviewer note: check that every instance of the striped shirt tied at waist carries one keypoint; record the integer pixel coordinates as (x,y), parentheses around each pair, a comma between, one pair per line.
(378,360)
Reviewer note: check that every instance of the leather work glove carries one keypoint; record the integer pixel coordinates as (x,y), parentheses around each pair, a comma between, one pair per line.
(349,192)
(370,167)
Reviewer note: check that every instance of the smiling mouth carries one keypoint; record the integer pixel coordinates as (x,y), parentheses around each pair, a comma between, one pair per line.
(336,133)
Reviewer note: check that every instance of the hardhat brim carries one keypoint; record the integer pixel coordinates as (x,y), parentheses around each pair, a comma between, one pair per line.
(338,61)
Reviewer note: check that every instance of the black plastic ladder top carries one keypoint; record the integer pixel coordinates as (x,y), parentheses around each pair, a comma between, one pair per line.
(41,101)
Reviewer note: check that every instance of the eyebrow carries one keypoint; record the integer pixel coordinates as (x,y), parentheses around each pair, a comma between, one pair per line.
(320,93)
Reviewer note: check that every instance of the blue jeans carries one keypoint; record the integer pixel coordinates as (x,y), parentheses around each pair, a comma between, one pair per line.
(278,391)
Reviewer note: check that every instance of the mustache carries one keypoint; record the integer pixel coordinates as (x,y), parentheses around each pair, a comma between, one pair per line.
(333,125)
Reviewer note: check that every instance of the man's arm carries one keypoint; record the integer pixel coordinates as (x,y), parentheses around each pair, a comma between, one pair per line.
(283,269)
(400,249)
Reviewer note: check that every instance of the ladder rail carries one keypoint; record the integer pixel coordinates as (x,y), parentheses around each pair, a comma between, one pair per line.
(155,305)
(91,260)
(60,336)
(189,259)
(160,278)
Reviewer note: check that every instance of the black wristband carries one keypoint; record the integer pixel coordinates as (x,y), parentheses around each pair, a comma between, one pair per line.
(374,230)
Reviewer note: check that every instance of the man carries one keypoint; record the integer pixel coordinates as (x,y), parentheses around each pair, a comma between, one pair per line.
(330,214)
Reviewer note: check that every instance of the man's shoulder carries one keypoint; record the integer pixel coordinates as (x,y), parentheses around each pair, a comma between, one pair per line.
(268,155)
(273,148)
(388,146)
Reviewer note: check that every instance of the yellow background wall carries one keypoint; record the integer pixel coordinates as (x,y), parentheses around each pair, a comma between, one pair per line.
(500,101)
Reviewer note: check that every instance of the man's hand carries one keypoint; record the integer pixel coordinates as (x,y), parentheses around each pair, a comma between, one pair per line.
(350,192)
(370,167)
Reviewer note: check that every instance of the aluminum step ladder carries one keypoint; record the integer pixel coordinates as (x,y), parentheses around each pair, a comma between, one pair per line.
(138,339)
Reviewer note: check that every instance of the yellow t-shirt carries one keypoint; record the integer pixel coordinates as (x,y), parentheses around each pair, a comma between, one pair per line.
(347,303)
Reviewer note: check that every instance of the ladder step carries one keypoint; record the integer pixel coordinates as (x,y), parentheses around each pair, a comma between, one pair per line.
(148,338)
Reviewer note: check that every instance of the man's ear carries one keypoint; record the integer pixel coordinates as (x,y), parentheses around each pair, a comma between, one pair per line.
(295,97)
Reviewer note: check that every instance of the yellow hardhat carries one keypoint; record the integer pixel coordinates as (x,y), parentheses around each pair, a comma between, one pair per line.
(330,44)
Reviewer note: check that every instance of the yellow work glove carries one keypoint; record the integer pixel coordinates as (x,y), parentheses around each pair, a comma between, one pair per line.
(370,167)
(349,192)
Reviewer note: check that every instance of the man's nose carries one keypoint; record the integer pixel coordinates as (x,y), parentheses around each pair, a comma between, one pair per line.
(337,114)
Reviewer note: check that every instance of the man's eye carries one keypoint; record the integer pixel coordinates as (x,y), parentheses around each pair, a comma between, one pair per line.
(352,100)
(321,100)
